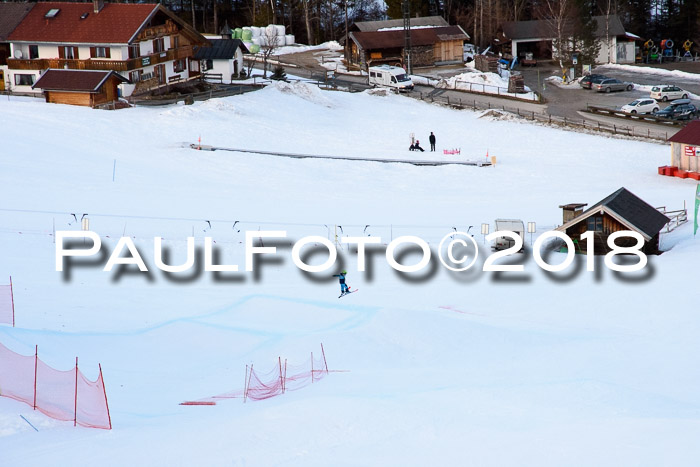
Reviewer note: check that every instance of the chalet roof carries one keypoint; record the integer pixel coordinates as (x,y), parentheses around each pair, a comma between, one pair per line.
(116,23)
(545,29)
(395,39)
(11,14)
(74,80)
(629,210)
(367,26)
(690,134)
(221,49)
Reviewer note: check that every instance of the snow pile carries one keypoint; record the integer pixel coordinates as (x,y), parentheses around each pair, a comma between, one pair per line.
(490,83)
(303,90)
(653,71)
(293,49)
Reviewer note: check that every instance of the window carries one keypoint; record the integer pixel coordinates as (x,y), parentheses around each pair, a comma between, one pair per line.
(179,65)
(135,76)
(595,223)
(174,42)
(99,52)
(134,51)
(24,80)
(208,65)
(33,52)
(158,45)
(69,53)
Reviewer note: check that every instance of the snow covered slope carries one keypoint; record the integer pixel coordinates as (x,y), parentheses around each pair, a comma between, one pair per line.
(571,368)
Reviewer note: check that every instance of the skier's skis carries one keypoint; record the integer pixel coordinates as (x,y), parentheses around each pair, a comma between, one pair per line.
(347,293)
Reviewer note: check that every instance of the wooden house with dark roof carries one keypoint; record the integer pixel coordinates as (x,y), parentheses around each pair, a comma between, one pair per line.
(685,153)
(441,45)
(621,210)
(140,41)
(80,87)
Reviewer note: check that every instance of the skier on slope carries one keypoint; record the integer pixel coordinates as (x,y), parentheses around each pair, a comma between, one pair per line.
(344,289)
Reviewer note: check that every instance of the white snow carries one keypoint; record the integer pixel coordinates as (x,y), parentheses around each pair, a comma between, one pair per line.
(666,74)
(292,49)
(489,83)
(573,368)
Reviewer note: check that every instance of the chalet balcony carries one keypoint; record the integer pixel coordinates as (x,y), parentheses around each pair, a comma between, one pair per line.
(101,64)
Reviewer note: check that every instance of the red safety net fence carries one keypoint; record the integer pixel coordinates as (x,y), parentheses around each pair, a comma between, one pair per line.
(7,304)
(63,395)
(280,379)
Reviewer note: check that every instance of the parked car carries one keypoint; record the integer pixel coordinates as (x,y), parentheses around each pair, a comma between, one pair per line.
(667,92)
(680,109)
(641,106)
(587,81)
(612,84)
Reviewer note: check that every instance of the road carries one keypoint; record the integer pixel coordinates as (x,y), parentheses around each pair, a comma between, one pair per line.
(560,102)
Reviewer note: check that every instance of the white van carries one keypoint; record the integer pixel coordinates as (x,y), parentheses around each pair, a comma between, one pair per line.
(512,225)
(390,76)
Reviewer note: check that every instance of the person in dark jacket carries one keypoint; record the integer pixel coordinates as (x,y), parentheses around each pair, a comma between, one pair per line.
(432,142)
(416,147)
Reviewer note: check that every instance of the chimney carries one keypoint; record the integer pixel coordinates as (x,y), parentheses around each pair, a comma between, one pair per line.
(572,211)
(97,5)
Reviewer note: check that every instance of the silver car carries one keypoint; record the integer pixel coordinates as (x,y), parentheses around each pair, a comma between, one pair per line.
(612,84)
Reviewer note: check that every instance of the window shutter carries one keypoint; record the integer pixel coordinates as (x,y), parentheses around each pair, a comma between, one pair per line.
(107,53)
(61,52)
(75,53)
(93,52)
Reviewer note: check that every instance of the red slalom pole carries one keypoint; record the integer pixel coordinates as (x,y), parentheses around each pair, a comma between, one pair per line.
(75,409)
(324,357)
(104,389)
(12,299)
(36,365)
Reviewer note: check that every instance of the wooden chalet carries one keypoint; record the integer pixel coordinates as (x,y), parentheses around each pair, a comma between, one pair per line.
(621,210)
(140,41)
(433,42)
(80,87)
(685,153)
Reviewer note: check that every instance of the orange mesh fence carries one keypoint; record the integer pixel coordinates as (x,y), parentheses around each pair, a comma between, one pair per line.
(63,395)
(7,305)
(280,379)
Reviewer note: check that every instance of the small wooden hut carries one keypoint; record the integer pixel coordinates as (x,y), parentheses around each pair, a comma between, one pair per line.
(80,87)
(621,210)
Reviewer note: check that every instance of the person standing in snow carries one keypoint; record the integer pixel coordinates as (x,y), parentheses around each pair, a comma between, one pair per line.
(341,278)
(432,142)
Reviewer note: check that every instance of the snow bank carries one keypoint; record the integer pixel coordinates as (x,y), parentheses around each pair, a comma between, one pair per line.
(489,83)
(653,71)
(308,92)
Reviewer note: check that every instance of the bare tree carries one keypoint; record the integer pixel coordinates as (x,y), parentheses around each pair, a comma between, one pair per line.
(272,41)
(557,12)
(307,21)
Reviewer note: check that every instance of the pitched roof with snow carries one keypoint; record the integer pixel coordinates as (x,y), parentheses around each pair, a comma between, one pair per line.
(367,26)
(628,209)
(688,135)
(221,49)
(395,38)
(11,14)
(74,80)
(77,23)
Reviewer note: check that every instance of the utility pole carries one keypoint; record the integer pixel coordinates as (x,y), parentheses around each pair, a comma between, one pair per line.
(406,7)
(347,39)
